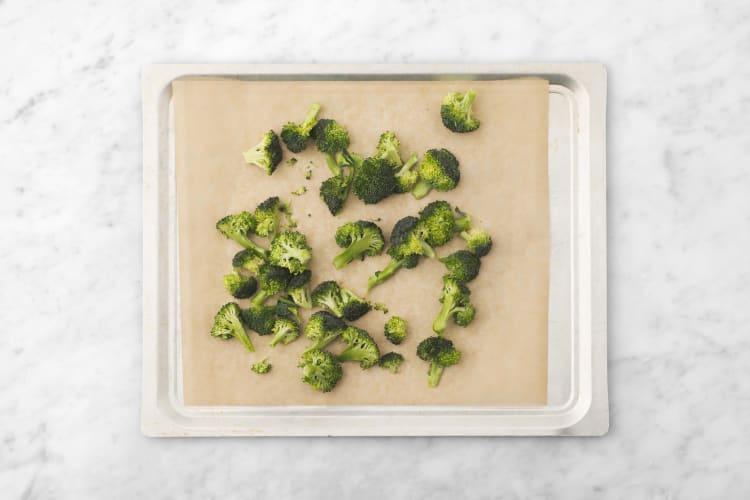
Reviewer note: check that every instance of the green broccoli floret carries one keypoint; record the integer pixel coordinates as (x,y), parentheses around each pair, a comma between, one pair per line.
(406,178)
(261,367)
(438,170)
(272,280)
(290,250)
(478,241)
(456,112)
(465,315)
(388,146)
(360,347)
(330,137)
(295,136)
(260,318)
(359,239)
(241,287)
(266,154)
(374,181)
(320,370)
(334,192)
(267,217)
(342,302)
(228,324)
(463,266)
(323,328)
(287,309)
(247,260)
(407,245)
(299,289)
(441,225)
(440,353)
(284,331)
(455,299)
(391,361)
(238,227)
(395,329)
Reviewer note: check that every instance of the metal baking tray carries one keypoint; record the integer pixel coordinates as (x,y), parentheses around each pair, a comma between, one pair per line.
(577,400)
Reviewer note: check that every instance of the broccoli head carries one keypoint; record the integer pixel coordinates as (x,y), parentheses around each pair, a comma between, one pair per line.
(374,181)
(323,328)
(358,239)
(406,178)
(294,135)
(261,367)
(388,146)
(455,299)
(478,241)
(360,347)
(238,227)
(330,137)
(272,280)
(267,217)
(440,353)
(290,250)
(455,112)
(241,287)
(284,331)
(342,302)
(438,170)
(441,225)
(299,290)
(259,318)
(391,361)
(266,154)
(228,324)
(320,370)
(407,245)
(335,190)
(395,329)
(247,260)
(463,266)
(465,315)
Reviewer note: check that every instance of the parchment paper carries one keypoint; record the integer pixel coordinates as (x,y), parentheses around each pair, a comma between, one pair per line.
(503,186)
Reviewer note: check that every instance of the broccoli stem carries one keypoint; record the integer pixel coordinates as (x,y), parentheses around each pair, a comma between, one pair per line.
(260,298)
(384,274)
(350,354)
(333,164)
(301,297)
(467,101)
(434,374)
(323,342)
(441,321)
(421,190)
(249,244)
(242,335)
(407,166)
(463,223)
(428,250)
(352,252)
(311,117)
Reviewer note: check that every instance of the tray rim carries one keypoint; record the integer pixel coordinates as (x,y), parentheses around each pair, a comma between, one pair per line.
(589,415)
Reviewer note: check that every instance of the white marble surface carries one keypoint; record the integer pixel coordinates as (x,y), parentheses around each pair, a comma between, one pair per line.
(70,257)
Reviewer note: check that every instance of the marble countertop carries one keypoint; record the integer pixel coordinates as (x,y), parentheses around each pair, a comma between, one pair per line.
(679,240)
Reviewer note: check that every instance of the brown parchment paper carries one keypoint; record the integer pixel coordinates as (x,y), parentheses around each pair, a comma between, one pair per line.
(503,186)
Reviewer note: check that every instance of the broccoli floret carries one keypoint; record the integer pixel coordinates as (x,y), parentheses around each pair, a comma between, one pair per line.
(330,137)
(406,178)
(463,266)
(320,370)
(441,225)
(238,227)
(299,290)
(395,329)
(440,353)
(284,331)
(360,347)
(465,315)
(272,280)
(261,367)
(323,328)
(295,136)
(241,287)
(456,112)
(287,309)
(374,181)
(388,146)
(342,302)
(266,154)
(359,239)
(228,324)
(407,245)
(391,361)
(259,318)
(478,241)
(267,217)
(438,170)
(247,260)
(455,299)
(335,190)
(290,250)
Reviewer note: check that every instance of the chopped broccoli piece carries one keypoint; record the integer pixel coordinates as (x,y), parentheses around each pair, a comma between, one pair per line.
(478,241)
(335,190)
(441,225)
(241,287)
(228,324)
(391,361)
(358,239)
(299,290)
(395,329)
(388,146)
(440,353)
(360,347)
(455,112)
(407,245)
(261,367)
(374,181)
(379,306)
(308,173)
(247,260)
(259,318)
(438,170)
(284,331)
(238,227)
(291,161)
(407,178)
(455,299)
(287,309)
(465,315)
(463,266)
(290,250)
(267,217)
(323,328)
(299,191)
(295,136)
(272,280)
(330,137)
(342,302)
(266,154)
(320,370)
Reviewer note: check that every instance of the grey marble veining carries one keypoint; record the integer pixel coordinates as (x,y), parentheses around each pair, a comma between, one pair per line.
(70,258)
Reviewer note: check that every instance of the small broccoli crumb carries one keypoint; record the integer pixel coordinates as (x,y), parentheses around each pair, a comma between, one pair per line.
(299,192)
(261,367)
(291,161)
(379,306)
(308,173)
(309,215)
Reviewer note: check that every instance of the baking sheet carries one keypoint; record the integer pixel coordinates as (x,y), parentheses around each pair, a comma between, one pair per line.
(505,358)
